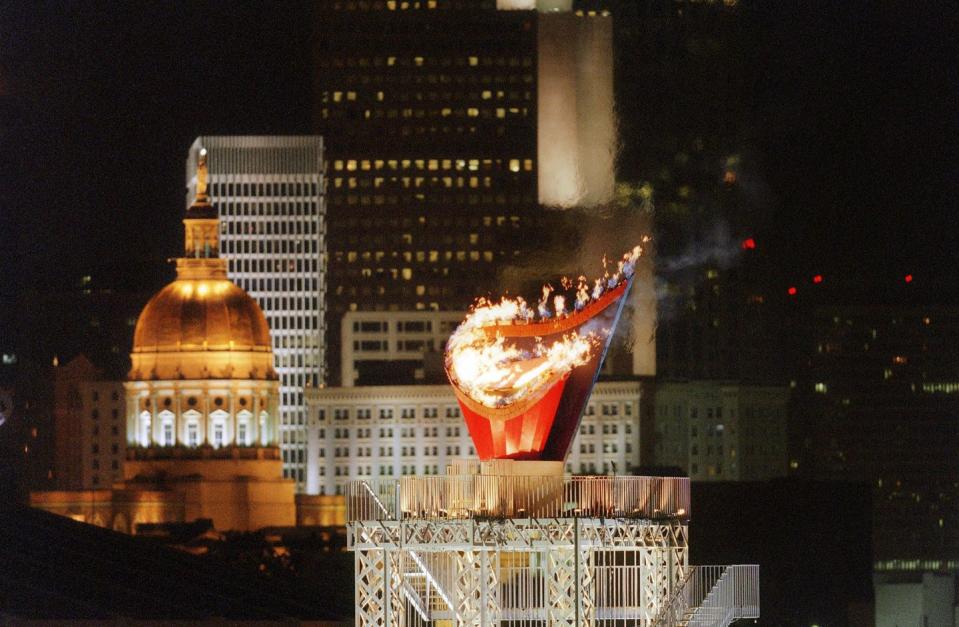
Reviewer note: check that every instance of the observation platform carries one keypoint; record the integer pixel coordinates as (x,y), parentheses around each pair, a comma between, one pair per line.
(491,497)
(486,545)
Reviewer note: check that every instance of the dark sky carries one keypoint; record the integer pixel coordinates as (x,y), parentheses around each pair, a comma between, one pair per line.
(852,109)
(858,105)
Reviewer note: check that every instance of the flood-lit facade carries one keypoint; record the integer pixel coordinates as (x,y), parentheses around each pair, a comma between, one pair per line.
(269,195)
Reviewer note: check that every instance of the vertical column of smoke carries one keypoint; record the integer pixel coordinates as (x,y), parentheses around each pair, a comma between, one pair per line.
(577,138)
(557,138)
(595,119)
(576,130)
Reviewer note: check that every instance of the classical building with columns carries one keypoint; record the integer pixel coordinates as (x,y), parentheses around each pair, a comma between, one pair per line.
(201,406)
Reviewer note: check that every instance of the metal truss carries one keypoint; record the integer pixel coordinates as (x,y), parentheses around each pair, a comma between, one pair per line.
(516,571)
(515,533)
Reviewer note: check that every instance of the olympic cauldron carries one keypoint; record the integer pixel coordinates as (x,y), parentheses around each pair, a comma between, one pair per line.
(532,408)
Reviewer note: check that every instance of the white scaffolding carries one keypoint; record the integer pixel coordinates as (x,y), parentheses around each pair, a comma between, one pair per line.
(479,549)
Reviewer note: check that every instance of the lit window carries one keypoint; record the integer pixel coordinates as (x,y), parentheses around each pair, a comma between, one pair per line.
(193,434)
(474,61)
(820,388)
(514,165)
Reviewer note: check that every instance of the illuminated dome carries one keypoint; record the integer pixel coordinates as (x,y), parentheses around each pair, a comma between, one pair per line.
(202,326)
(190,315)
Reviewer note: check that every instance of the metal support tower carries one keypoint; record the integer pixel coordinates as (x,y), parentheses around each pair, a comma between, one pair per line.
(485,550)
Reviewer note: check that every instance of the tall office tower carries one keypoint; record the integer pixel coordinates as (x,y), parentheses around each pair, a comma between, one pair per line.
(438,115)
(269,192)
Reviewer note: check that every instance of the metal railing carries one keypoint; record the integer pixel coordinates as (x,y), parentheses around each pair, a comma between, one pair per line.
(513,496)
(713,596)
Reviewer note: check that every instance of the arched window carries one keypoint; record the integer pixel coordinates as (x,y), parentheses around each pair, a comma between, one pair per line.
(218,420)
(244,428)
(167,435)
(144,431)
(191,419)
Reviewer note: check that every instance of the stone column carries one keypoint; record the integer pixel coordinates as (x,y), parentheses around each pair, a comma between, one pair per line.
(232,437)
(205,414)
(178,424)
(154,418)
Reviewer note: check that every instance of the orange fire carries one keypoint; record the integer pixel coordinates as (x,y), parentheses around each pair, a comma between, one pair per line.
(496,371)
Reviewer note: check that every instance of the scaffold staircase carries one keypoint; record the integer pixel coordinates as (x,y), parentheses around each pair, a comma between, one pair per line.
(713,596)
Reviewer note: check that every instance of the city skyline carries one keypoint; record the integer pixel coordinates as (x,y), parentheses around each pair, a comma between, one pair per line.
(814,112)
(359,171)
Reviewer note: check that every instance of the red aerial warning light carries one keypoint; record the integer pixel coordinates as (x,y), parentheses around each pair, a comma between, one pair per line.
(907,278)
(817,278)
(749,244)
(792,291)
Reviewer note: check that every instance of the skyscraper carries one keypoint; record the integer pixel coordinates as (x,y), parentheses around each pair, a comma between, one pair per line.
(449,124)
(269,193)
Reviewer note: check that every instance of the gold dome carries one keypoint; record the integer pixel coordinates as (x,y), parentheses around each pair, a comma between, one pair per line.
(202,326)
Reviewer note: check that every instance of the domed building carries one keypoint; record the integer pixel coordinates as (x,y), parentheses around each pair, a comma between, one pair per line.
(201,405)
(202,394)
(202,365)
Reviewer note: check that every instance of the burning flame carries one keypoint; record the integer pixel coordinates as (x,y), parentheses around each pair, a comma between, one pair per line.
(495,371)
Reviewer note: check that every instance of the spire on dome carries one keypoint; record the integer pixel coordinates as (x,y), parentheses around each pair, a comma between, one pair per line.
(202,177)
(201,207)
(202,221)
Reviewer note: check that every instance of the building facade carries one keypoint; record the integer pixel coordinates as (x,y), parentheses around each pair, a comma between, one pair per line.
(437,116)
(89,427)
(395,347)
(269,194)
(719,431)
(917,599)
(392,431)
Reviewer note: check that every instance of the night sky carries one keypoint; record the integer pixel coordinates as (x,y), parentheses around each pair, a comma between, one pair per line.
(851,109)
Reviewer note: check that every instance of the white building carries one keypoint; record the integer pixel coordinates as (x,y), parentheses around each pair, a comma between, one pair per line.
(269,192)
(394,343)
(920,598)
(390,431)
(718,431)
